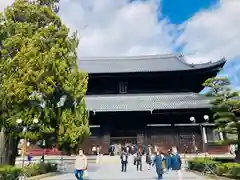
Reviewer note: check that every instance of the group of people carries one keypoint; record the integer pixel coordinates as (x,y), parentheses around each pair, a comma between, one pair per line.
(117,149)
(162,162)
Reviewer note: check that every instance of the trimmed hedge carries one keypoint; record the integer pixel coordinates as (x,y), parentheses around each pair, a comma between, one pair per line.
(229,169)
(224,159)
(11,172)
(38,169)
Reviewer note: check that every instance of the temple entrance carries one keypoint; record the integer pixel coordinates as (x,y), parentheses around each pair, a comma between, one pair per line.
(123,140)
(190,139)
(186,139)
(161,138)
(123,137)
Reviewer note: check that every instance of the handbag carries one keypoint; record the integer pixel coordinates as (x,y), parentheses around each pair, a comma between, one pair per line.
(85,173)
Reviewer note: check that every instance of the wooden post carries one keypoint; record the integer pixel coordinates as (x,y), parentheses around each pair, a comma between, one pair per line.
(140,141)
(105,143)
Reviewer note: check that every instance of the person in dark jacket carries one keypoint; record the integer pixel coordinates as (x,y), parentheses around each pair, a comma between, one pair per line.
(149,160)
(168,160)
(124,161)
(139,160)
(157,162)
(176,164)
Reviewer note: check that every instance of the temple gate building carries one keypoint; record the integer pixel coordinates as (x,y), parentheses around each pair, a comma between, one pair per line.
(150,100)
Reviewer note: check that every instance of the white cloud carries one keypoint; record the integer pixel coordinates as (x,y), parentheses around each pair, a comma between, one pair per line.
(213,33)
(5,3)
(121,28)
(117,28)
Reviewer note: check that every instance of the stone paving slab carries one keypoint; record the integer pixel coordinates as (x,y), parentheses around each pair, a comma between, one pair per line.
(112,172)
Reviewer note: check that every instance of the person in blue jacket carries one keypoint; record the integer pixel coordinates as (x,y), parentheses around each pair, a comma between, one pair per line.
(176,164)
(168,160)
(157,162)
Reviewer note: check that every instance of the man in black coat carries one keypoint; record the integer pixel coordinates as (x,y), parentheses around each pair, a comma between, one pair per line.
(139,160)
(124,161)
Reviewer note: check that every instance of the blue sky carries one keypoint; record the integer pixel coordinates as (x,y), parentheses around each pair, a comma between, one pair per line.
(179,11)
(203,30)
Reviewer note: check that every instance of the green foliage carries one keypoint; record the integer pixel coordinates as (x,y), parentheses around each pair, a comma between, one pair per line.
(227,169)
(11,172)
(38,65)
(38,169)
(226,106)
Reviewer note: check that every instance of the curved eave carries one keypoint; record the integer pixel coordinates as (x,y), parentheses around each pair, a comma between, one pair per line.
(210,65)
(140,64)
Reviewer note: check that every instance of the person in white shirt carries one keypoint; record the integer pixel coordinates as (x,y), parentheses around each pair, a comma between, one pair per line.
(80,165)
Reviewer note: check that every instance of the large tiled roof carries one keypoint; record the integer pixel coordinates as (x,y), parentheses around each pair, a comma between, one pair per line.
(146,102)
(151,63)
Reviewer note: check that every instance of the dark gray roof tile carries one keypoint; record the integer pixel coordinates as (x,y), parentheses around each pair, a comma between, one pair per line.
(151,63)
(144,102)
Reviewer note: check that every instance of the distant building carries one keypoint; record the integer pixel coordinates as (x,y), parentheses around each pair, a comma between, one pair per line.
(149,100)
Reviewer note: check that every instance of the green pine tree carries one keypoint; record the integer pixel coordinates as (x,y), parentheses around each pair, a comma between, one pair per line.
(38,67)
(226,109)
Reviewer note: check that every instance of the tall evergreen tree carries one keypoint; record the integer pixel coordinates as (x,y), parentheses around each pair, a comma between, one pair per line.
(38,67)
(226,108)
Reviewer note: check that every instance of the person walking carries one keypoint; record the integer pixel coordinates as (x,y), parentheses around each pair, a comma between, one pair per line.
(94,150)
(149,160)
(80,165)
(168,160)
(98,150)
(153,156)
(128,149)
(157,162)
(164,163)
(176,164)
(139,160)
(124,161)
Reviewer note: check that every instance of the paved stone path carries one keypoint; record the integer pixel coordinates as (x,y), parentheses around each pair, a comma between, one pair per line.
(112,172)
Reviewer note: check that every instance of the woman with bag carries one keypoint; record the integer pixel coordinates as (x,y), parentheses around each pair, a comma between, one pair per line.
(80,165)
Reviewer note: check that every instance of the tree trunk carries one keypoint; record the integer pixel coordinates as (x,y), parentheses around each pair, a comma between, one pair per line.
(8,148)
(2,146)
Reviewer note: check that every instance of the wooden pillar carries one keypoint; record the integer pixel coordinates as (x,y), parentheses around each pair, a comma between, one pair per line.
(105,143)
(105,138)
(140,139)
(147,138)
